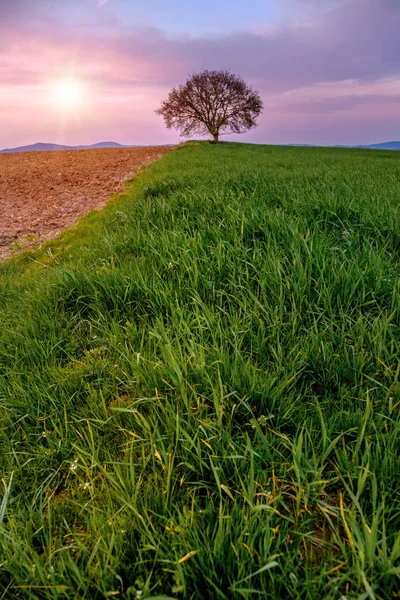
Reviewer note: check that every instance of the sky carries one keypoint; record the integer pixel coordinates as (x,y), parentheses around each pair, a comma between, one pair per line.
(84,71)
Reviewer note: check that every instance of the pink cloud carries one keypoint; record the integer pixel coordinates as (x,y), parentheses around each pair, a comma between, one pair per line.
(344,63)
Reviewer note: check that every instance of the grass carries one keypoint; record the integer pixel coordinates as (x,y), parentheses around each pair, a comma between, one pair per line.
(199,391)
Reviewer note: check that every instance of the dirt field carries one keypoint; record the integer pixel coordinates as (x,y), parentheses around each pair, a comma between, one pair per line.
(41,193)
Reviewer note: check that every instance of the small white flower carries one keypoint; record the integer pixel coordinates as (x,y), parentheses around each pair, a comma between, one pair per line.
(346,235)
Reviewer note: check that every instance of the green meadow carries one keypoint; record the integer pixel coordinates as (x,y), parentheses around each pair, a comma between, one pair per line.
(199,385)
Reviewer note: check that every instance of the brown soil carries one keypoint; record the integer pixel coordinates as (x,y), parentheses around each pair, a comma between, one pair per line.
(41,193)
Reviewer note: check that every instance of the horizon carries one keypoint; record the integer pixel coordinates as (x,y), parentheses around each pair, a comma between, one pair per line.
(97,69)
(89,146)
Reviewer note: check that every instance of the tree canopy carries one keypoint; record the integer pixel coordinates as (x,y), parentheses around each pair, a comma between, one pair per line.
(212,102)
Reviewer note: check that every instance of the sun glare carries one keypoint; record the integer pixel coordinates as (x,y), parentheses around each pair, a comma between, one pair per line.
(68,93)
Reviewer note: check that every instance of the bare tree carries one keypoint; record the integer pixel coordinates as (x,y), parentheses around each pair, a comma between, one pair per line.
(212,102)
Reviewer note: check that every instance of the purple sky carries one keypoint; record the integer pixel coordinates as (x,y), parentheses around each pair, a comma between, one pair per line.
(327,76)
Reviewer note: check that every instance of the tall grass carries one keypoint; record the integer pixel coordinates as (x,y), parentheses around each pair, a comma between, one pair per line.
(199,391)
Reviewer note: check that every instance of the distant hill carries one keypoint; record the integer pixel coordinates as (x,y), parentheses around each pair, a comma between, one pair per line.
(46,147)
(384,146)
(41,147)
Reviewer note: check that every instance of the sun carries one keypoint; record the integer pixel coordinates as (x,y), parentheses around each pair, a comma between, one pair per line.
(69,94)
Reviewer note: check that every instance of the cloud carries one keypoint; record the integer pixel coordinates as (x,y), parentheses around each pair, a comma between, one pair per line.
(344,61)
(358,40)
(350,88)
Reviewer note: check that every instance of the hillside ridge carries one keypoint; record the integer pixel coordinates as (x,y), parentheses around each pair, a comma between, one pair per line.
(45,147)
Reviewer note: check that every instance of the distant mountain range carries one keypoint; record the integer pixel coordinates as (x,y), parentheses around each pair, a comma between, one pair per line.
(384,146)
(46,147)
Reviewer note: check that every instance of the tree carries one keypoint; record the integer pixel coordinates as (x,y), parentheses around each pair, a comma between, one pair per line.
(211,102)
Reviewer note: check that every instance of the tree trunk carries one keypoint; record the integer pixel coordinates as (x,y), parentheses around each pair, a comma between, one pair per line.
(216,137)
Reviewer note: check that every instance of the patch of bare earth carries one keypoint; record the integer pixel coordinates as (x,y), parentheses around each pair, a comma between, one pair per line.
(42,193)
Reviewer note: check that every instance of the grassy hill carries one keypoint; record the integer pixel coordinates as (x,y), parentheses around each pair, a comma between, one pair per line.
(199,390)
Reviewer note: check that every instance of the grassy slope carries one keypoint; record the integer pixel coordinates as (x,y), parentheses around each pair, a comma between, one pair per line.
(199,386)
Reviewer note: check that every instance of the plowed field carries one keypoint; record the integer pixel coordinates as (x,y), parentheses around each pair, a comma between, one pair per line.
(41,193)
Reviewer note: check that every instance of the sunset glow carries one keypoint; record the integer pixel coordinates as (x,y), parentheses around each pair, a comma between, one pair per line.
(69,94)
(82,70)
